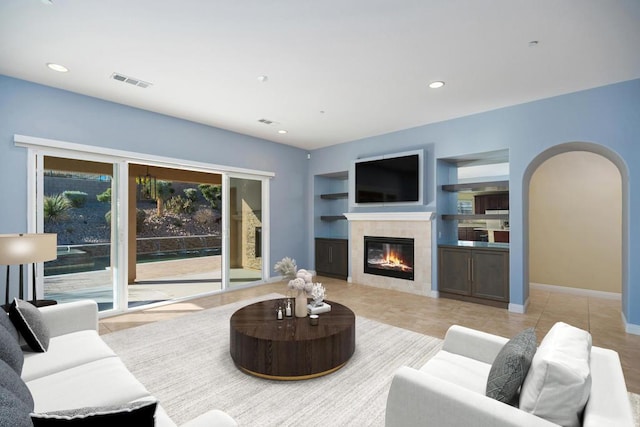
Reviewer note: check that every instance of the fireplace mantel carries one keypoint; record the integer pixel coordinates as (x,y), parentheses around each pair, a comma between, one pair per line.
(389,216)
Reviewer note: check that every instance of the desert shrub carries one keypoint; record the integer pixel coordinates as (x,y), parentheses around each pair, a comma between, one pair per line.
(178,204)
(56,207)
(205,216)
(141,215)
(76,198)
(212,193)
(105,196)
(191,194)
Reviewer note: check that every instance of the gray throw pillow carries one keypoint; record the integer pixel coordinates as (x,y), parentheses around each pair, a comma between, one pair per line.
(510,367)
(10,327)
(12,382)
(30,323)
(139,414)
(10,351)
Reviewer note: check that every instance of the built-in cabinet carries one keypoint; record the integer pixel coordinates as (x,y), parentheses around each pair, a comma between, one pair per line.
(476,272)
(331,229)
(332,257)
(495,201)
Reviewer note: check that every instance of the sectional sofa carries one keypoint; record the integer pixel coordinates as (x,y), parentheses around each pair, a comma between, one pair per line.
(78,376)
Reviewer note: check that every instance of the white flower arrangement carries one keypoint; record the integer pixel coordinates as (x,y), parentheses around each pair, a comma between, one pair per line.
(300,280)
(286,267)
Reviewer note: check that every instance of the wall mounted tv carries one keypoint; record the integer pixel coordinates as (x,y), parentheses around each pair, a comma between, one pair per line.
(389,179)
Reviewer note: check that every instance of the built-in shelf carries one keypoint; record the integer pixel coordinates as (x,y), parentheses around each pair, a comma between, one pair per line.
(471,217)
(478,186)
(332,217)
(334,196)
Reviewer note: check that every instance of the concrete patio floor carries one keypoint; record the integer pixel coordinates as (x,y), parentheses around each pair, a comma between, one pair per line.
(155,281)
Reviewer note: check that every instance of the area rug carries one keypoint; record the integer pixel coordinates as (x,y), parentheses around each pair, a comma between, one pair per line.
(185,363)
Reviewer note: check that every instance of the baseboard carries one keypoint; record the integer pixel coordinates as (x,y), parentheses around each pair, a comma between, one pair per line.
(519,308)
(433,294)
(576,291)
(349,279)
(630,328)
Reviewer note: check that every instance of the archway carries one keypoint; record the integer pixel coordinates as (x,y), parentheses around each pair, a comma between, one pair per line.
(552,152)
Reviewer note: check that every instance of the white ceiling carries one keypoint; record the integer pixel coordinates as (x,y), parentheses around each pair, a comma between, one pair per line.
(338,70)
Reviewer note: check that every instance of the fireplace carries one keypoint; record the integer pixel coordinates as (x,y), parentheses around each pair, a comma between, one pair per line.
(389,256)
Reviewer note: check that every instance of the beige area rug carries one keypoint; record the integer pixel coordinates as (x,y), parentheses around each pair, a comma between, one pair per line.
(185,363)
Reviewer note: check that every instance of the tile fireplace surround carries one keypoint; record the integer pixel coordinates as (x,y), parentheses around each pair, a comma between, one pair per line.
(415,225)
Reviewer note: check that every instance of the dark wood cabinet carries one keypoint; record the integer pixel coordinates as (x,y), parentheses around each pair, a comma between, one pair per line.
(478,274)
(332,257)
(484,202)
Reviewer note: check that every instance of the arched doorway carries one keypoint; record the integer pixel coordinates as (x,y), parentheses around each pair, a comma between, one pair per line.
(580,249)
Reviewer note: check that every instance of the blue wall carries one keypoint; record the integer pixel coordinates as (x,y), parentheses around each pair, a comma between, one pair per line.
(41,111)
(608,116)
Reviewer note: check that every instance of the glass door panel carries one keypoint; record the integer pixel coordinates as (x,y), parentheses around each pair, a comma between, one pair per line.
(245,231)
(175,241)
(77,206)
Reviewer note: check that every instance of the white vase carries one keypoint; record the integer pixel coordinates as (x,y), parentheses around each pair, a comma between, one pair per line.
(301,304)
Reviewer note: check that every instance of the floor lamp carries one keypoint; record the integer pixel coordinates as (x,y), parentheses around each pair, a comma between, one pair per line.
(24,249)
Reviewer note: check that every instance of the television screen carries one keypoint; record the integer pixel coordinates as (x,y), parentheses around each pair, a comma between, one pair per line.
(388,180)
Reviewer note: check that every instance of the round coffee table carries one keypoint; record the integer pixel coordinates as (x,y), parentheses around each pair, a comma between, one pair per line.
(291,348)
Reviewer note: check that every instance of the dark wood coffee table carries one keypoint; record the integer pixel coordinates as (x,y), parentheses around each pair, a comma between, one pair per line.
(291,349)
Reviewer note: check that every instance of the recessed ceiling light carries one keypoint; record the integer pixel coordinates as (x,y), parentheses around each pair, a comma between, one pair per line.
(57,67)
(263,79)
(436,84)
(282,131)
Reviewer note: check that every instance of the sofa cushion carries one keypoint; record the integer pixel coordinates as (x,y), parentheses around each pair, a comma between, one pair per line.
(13,411)
(11,381)
(559,381)
(29,322)
(510,367)
(99,383)
(140,413)
(6,323)
(461,370)
(66,351)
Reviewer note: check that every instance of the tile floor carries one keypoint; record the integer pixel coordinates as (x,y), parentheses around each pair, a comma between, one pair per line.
(601,317)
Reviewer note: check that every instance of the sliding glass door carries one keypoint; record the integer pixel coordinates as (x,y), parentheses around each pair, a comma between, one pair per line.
(245,230)
(131,233)
(76,204)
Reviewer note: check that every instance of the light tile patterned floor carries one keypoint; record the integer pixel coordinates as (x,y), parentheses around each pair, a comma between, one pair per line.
(601,317)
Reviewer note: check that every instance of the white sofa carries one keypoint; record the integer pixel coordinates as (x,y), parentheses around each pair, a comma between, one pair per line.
(449,390)
(80,370)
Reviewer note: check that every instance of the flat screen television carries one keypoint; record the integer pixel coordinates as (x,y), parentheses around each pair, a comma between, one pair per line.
(390,179)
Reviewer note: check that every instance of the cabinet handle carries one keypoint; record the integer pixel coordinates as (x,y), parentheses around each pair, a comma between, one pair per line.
(469,269)
(330,254)
(471,273)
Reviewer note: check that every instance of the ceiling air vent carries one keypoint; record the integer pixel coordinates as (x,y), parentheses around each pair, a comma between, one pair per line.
(266,122)
(135,82)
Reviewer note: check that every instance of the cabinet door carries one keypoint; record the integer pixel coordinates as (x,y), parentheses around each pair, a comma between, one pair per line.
(454,270)
(490,274)
(339,258)
(322,256)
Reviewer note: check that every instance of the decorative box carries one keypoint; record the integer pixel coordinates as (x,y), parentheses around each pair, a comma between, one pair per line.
(321,308)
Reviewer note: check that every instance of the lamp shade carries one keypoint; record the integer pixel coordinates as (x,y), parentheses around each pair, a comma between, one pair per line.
(27,248)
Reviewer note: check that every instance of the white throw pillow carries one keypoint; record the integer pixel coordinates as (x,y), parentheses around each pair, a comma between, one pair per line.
(559,381)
